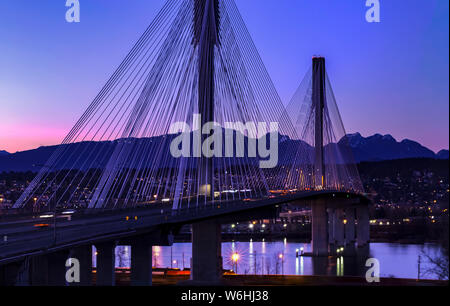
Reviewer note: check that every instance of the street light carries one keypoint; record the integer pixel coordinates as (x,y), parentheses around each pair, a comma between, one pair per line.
(281,256)
(235,258)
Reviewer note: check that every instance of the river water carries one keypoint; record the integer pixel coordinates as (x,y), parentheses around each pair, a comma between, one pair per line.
(259,257)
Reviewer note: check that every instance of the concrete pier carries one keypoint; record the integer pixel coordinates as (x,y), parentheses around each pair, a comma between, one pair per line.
(141,263)
(9,274)
(319,228)
(57,268)
(339,227)
(331,223)
(84,255)
(38,271)
(48,270)
(363,228)
(206,263)
(106,263)
(350,226)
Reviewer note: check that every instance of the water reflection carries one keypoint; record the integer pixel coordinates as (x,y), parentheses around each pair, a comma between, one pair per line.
(261,257)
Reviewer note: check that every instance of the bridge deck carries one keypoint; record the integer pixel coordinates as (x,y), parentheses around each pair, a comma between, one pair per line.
(25,239)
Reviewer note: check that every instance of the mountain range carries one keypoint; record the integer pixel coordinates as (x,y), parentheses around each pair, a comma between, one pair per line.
(385,147)
(373,148)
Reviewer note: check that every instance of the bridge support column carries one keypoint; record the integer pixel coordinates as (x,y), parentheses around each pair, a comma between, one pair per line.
(141,263)
(320,265)
(363,228)
(331,222)
(350,231)
(57,268)
(84,255)
(319,228)
(9,274)
(339,227)
(106,261)
(206,265)
(49,269)
(39,270)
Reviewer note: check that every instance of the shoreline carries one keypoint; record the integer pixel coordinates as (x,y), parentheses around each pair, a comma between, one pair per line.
(185,238)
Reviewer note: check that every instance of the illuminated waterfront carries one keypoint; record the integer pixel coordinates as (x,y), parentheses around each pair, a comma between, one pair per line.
(396,260)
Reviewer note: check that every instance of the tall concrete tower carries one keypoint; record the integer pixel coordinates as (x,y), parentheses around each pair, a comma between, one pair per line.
(206,37)
(318,101)
(206,266)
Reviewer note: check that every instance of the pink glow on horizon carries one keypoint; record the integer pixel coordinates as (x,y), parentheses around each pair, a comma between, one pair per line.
(14,137)
(17,137)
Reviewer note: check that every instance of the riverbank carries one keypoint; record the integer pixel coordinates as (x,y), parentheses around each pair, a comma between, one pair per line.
(244,237)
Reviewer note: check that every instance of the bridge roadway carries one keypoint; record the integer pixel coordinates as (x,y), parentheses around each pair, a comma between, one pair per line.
(24,239)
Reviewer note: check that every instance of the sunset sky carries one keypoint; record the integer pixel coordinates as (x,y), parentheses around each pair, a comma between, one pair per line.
(389,77)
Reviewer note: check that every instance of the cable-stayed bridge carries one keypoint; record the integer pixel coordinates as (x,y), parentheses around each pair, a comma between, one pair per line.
(193,84)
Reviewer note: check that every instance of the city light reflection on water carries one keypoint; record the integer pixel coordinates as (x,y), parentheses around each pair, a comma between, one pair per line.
(261,257)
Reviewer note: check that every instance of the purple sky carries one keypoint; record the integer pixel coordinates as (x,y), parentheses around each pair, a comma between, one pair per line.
(388,78)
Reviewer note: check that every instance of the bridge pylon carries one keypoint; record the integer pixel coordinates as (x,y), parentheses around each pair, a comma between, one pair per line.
(206,36)
(333,224)
(318,100)
(206,265)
